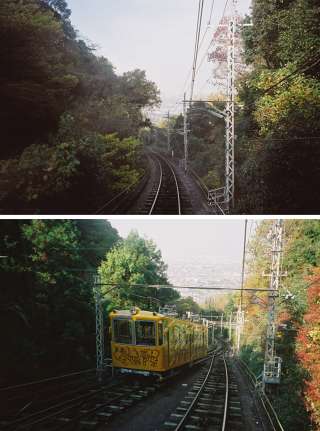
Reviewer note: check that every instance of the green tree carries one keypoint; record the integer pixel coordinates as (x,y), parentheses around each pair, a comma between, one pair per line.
(135,261)
(47,310)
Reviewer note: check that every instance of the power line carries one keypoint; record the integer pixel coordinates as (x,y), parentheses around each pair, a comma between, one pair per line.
(212,41)
(196,47)
(200,45)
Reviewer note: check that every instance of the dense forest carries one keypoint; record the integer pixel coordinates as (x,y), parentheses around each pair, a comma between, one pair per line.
(277,115)
(47,270)
(278,128)
(297,398)
(69,124)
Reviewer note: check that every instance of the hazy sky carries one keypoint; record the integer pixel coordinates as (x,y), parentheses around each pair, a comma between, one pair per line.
(156,36)
(213,240)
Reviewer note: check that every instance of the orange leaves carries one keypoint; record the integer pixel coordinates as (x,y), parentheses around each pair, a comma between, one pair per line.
(309,347)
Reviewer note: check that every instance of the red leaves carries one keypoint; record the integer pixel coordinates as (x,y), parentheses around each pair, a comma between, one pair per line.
(309,347)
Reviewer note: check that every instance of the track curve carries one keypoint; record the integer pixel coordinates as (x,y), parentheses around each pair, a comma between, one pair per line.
(167,195)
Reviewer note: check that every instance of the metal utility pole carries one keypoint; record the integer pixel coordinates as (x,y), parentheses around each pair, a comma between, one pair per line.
(99,326)
(227,54)
(240,312)
(221,323)
(230,115)
(272,363)
(243,262)
(168,131)
(185,133)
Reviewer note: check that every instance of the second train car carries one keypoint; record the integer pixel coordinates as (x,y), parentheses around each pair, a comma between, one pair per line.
(150,343)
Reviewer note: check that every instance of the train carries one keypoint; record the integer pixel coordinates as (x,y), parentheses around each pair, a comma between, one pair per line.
(151,343)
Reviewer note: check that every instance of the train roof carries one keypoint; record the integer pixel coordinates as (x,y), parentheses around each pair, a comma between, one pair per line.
(136,314)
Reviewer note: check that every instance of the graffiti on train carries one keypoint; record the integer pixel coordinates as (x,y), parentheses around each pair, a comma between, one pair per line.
(137,357)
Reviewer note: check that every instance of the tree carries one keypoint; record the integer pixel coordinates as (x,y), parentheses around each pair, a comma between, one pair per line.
(47,308)
(78,121)
(309,348)
(135,261)
(187,304)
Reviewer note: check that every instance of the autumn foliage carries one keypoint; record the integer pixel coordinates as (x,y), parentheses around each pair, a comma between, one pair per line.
(309,348)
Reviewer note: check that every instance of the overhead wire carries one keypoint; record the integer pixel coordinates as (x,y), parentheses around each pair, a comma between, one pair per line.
(211,43)
(176,104)
(200,45)
(196,50)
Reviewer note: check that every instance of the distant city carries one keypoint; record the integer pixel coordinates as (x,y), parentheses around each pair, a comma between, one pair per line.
(203,272)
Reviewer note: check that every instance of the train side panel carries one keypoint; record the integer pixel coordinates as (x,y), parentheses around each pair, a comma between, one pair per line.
(187,342)
(139,357)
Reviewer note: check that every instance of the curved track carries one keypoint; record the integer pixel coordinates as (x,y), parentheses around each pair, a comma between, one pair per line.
(213,402)
(167,195)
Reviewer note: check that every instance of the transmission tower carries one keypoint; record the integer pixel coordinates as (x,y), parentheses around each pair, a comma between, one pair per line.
(99,325)
(227,54)
(272,363)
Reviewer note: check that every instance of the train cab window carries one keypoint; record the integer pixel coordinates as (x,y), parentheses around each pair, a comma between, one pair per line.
(122,331)
(145,333)
(160,333)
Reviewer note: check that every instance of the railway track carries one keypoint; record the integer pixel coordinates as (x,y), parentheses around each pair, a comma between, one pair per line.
(213,403)
(88,409)
(167,195)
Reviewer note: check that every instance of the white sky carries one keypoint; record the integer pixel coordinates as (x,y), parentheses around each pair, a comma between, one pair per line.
(213,240)
(156,36)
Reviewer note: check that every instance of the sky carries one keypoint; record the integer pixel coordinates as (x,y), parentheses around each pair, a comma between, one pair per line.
(156,36)
(214,240)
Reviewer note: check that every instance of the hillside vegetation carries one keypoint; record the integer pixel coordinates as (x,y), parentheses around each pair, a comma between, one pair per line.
(69,123)
(297,398)
(278,128)
(47,269)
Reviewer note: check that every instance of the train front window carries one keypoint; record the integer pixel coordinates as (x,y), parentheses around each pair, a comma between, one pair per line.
(122,331)
(145,333)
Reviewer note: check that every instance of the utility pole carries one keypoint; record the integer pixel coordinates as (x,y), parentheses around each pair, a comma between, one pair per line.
(185,133)
(230,115)
(99,326)
(227,54)
(168,131)
(221,323)
(240,312)
(272,363)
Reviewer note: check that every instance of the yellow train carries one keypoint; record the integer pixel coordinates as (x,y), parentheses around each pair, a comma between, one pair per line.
(150,343)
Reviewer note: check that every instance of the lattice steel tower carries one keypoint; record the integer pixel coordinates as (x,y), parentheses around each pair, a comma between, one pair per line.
(227,54)
(99,324)
(272,363)
(229,191)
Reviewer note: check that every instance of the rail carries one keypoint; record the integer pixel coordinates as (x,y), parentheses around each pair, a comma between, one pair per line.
(158,189)
(267,406)
(186,415)
(47,380)
(99,403)
(226,396)
(119,199)
(159,157)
